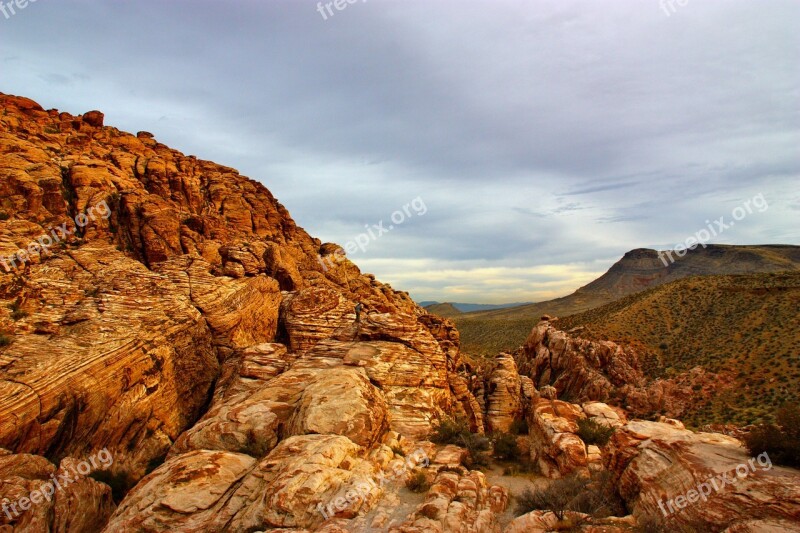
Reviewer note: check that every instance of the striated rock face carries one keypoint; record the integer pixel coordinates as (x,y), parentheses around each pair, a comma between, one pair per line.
(180,315)
(80,504)
(222,491)
(503,392)
(577,368)
(111,355)
(555,448)
(585,370)
(661,470)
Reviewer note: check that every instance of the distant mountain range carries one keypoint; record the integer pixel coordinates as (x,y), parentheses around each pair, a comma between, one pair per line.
(489,332)
(456,308)
(643,268)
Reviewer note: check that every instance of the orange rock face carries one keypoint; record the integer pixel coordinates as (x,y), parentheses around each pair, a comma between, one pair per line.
(585,370)
(701,480)
(174,313)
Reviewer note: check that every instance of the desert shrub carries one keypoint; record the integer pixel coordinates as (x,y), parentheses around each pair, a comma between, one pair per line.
(530,500)
(505,446)
(557,497)
(781,441)
(600,499)
(477,446)
(16,311)
(5,340)
(592,432)
(450,431)
(519,427)
(418,482)
(595,496)
(4,215)
(456,431)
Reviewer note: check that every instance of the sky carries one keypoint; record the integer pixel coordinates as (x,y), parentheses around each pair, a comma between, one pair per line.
(521,146)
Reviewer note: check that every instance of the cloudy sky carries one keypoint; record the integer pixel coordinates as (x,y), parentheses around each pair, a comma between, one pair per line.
(544,138)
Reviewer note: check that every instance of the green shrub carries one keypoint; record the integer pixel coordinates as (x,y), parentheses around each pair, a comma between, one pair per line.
(477,446)
(456,431)
(505,446)
(781,441)
(4,215)
(418,482)
(592,432)
(450,431)
(5,340)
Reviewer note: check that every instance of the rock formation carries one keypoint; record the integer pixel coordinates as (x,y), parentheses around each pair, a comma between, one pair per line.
(702,480)
(175,314)
(586,370)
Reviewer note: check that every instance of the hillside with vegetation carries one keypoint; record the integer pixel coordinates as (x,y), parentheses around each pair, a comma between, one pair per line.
(487,333)
(746,325)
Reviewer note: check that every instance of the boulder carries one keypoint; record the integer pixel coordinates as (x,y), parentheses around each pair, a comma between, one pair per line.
(700,480)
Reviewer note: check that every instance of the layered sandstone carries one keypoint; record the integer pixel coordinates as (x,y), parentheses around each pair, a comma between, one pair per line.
(192,322)
(660,470)
(80,504)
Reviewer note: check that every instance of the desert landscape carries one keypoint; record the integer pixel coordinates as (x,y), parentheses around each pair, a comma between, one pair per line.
(178,354)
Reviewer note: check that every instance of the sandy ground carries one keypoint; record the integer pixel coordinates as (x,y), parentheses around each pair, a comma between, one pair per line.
(515,485)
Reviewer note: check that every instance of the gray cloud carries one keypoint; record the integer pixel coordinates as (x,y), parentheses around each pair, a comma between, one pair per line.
(540,134)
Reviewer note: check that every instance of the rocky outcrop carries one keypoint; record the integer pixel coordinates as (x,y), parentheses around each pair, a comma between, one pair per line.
(546,521)
(180,312)
(587,370)
(555,447)
(503,393)
(110,354)
(579,369)
(463,503)
(32,501)
(223,491)
(700,480)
